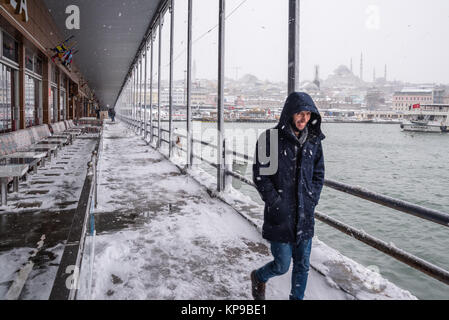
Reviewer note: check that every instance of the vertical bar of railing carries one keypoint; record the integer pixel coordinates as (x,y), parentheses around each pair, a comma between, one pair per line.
(145,93)
(140,93)
(132,97)
(170,89)
(293,45)
(159,86)
(189,85)
(135,97)
(151,88)
(220,99)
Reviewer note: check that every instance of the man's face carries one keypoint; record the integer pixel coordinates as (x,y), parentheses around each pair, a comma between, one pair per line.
(301,119)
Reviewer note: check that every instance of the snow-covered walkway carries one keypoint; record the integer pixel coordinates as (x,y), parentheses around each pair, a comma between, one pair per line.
(161,236)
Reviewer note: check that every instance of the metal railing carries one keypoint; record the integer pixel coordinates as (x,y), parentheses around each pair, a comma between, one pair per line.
(411,260)
(83,228)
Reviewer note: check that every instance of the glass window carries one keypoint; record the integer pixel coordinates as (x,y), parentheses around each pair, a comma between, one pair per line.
(33,105)
(38,65)
(10,48)
(54,104)
(6,99)
(29,60)
(30,102)
(54,74)
(63,105)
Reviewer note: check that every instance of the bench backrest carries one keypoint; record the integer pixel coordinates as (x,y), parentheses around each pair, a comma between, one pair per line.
(58,127)
(90,122)
(11,142)
(40,133)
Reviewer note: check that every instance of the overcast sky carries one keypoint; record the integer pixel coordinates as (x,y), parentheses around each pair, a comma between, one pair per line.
(410,36)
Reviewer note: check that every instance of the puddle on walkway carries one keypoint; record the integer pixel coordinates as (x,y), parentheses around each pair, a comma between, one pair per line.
(107,222)
(42,182)
(24,230)
(37,192)
(29,205)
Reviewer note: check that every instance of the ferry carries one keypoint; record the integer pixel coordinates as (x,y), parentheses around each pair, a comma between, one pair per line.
(427,118)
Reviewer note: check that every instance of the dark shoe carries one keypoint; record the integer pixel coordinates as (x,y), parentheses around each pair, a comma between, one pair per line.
(258,288)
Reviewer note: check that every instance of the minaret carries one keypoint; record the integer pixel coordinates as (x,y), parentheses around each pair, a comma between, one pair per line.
(374,74)
(361,66)
(317,77)
(385,75)
(352,71)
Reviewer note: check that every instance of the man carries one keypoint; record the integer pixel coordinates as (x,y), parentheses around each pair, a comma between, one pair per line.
(112,113)
(290,192)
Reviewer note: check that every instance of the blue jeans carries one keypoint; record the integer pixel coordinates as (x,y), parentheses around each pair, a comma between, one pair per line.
(283,254)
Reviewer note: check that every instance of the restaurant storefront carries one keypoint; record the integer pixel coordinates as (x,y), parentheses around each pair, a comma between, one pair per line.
(34,89)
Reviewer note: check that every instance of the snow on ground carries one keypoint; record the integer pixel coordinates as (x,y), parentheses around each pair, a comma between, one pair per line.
(40,280)
(340,271)
(161,236)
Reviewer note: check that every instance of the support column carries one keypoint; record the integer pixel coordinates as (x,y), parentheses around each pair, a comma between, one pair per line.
(293,45)
(189,86)
(140,94)
(220,97)
(170,86)
(159,86)
(58,93)
(151,88)
(67,99)
(145,134)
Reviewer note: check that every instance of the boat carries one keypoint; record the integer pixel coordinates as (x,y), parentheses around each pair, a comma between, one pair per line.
(427,118)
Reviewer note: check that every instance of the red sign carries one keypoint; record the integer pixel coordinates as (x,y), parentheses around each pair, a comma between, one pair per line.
(416,106)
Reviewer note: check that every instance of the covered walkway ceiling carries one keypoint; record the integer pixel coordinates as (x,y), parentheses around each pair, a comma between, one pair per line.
(108,39)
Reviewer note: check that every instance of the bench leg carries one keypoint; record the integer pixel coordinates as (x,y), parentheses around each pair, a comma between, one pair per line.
(35,169)
(4,191)
(15,184)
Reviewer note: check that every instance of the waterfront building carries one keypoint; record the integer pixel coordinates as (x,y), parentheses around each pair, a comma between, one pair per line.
(34,88)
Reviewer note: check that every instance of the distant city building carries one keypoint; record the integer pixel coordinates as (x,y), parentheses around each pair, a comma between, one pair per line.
(375,99)
(317,77)
(343,77)
(405,99)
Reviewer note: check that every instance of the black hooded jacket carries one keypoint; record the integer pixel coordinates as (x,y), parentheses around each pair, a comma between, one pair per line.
(290,178)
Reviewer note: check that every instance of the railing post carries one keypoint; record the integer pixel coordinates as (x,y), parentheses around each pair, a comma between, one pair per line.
(95,177)
(159,85)
(135,98)
(220,102)
(145,93)
(140,94)
(189,86)
(172,24)
(293,45)
(227,180)
(151,86)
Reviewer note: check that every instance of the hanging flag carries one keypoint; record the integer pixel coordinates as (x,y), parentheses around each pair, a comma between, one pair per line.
(417,106)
